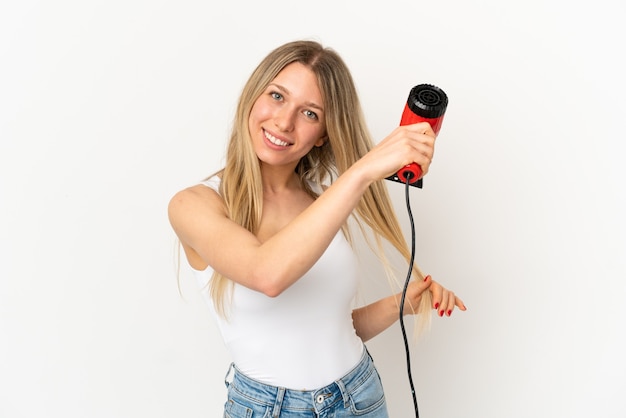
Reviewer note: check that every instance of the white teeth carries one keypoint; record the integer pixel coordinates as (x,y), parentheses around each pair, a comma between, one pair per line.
(275,140)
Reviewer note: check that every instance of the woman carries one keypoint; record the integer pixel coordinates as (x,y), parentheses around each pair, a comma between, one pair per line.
(269,234)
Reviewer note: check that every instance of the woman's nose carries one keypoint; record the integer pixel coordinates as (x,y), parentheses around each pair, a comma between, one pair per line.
(284,119)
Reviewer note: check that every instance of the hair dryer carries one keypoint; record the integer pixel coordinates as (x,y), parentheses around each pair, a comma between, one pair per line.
(426,103)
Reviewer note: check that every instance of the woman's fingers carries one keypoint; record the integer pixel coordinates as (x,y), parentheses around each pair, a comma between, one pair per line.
(444,300)
(405,145)
(414,294)
(423,141)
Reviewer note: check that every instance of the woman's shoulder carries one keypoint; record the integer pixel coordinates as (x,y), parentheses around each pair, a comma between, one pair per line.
(212,182)
(200,195)
(205,187)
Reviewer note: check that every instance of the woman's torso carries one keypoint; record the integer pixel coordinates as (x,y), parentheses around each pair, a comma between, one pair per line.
(304,338)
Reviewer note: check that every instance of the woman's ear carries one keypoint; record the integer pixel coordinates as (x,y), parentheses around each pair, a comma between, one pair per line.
(321,141)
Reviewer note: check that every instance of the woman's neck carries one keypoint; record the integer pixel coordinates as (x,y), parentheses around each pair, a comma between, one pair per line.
(276,179)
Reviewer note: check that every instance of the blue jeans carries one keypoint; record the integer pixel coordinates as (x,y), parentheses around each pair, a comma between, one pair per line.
(358,394)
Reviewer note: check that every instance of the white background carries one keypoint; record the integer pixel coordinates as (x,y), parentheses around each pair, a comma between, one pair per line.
(107,108)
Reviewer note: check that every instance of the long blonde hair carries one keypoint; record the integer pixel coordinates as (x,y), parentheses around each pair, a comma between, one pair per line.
(348,141)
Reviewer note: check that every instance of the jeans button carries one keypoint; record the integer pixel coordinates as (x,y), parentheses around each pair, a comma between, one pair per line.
(319,399)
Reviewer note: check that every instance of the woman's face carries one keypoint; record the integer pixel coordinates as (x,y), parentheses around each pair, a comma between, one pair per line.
(287,120)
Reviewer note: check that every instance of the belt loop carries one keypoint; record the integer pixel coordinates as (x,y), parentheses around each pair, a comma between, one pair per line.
(367,352)
(279,402)
(344,393)
(230,369)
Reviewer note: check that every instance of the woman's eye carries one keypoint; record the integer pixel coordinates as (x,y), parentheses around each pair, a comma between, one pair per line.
(276,96)
(310,115)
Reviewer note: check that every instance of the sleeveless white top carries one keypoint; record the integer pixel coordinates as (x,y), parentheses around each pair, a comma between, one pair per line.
(302,339)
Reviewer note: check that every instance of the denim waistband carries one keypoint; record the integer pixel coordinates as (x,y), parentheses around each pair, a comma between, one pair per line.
(301,400)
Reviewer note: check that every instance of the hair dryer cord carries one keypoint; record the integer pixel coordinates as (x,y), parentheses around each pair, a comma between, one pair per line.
(406,284)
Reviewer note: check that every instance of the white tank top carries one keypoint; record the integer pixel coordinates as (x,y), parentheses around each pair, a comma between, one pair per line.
(302,339)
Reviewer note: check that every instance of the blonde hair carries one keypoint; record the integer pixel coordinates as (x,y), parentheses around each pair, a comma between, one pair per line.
(348,141)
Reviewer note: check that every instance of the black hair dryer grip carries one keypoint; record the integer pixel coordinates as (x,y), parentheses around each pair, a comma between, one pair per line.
(426,103)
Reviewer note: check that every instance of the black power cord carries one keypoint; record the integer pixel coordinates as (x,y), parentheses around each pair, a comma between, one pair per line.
(406,285)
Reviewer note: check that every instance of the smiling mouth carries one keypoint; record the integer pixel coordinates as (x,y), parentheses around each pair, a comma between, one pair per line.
(275,140)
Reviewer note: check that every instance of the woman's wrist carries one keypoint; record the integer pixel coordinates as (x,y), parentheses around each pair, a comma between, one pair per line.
(360,175)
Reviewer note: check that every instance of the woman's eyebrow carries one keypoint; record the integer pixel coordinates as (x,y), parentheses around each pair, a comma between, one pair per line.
(287,92)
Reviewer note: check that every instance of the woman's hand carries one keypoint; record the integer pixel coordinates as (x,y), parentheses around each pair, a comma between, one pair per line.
(444,300)
(406,144)
(372,319)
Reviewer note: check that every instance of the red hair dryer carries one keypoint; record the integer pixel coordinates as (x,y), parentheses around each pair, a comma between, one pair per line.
(426,103)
